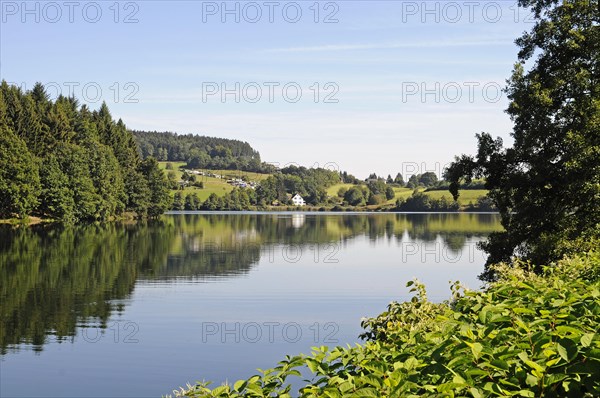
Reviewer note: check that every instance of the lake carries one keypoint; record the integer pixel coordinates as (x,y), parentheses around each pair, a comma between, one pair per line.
(138,309)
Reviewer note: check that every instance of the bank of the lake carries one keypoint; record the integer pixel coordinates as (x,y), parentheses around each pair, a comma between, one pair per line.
(34,220)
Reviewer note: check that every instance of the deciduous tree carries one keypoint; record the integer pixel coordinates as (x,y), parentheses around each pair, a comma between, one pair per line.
(547,185)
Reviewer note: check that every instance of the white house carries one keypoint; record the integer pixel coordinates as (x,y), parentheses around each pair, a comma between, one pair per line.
(298,200)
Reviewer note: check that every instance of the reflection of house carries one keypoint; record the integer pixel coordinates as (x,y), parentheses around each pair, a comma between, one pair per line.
(297,200)
(297,220)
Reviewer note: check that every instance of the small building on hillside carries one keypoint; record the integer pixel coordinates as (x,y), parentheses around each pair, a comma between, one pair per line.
(298,200)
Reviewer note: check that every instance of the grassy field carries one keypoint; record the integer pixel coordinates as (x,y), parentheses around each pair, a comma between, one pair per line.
(402,193)
(466,196)
(226,174)
(333,190)
(211,185)
(176,165)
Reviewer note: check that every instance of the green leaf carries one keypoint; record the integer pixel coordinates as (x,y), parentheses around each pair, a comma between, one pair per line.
(586,339)
(239,385)
(367,392)
(526,393)
(567,349)
(220,390)
(531,380)
(499,364)
(476,349)
(562,351)
(312,365)
(534,365)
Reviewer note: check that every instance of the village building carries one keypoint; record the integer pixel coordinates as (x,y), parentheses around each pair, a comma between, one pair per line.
(298,200)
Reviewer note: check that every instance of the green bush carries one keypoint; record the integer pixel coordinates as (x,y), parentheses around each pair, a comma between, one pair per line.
(423,203)
(526,335)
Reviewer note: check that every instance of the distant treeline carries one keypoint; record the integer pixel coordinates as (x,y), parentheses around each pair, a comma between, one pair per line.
(64,161)
(420,202)
(201,152)
(428,180)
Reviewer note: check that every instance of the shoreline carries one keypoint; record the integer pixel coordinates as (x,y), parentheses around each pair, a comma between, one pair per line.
(31,221)
(316,212)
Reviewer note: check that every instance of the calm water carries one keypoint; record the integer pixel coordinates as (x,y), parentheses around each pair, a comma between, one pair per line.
(139,309)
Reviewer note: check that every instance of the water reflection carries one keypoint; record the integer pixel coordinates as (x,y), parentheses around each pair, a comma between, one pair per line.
(55,279)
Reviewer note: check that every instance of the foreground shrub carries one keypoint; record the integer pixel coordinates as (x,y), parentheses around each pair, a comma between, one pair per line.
(526,335)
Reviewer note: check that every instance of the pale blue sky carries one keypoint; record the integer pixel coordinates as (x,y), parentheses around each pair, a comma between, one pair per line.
(377,57)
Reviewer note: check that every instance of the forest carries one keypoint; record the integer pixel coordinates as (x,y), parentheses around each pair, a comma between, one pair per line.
(200,152)
(63,161)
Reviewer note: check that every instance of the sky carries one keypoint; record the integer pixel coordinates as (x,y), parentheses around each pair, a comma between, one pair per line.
(361,86)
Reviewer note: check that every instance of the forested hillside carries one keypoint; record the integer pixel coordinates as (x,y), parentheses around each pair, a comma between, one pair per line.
(200,152)
(64,161)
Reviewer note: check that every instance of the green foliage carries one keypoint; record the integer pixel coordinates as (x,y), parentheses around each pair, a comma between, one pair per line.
(428,179)
(213,202)
(420,201)
(89,168)
(483,203)
(19,178)
(547,185)
(390,193)
(473,185)
(354,197)
(525,335)
(375,199)
(399,180)
(55,198)
(271,189)
(342,192)
(413,182)
(160,200)
(310,183)
(348,178)
(238,199)
(192,202)
(178,203)
(377,187)
(172,180)
(107,180)
(200,152)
